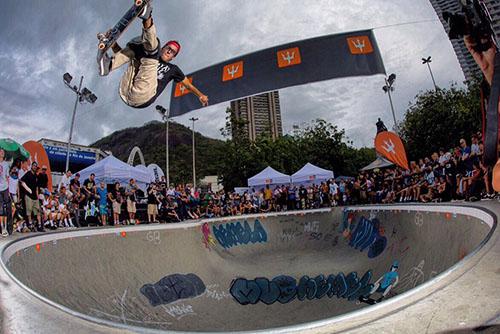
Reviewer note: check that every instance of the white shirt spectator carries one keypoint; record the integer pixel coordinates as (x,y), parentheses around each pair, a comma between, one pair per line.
(65,180)
(13,185)
(334,188)
(4,174)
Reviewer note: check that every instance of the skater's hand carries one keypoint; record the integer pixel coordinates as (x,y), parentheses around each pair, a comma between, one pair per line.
(485,60)
(204,100)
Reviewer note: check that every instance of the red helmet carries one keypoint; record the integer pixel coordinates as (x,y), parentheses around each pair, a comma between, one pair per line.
(176,44)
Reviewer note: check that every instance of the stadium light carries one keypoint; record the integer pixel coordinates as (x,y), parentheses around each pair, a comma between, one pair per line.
(82,95)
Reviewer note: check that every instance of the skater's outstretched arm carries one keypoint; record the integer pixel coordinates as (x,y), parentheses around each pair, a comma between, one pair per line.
(485,59)
(202,97)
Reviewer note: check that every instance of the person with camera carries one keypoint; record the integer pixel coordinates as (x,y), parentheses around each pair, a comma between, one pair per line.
(153,201)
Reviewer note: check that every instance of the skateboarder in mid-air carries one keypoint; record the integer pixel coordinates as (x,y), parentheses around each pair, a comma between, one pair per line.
(149,68)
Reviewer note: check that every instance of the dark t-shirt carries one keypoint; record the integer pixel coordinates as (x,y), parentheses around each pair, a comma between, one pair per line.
(43,180)
(31,181)
(74,183)
(152,198)
(89,185)
(166,72)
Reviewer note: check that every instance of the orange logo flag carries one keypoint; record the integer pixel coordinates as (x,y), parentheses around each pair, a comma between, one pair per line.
(289,57)
(39,155)
(181,90)
(232,71)
(390,146)
(359,45)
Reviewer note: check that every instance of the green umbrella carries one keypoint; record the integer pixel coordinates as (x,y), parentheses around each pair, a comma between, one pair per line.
(13,149)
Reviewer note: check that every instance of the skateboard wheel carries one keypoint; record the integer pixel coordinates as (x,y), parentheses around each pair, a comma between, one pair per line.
(101,46)
(138,2)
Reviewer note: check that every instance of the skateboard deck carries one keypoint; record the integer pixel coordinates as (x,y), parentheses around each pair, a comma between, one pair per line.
(111,36)
(368,300)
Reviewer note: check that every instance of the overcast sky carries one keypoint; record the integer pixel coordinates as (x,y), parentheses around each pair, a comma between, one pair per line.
(41,40)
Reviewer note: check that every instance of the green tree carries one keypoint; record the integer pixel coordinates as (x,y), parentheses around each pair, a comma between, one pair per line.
(440,118)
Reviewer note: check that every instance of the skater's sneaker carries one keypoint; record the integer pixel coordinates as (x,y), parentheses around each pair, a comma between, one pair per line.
(146,13)
(105,65)
(5,233)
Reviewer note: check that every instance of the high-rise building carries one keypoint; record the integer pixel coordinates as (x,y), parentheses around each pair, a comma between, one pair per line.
(260,114)
(469,67)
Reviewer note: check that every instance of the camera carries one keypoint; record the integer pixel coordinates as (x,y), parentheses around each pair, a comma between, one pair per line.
(473,20)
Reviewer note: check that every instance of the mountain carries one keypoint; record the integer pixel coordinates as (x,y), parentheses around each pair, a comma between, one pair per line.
(150,138)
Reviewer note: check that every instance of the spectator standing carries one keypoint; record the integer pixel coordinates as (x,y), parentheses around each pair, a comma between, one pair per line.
(153,202)
(465,158)
(14,185)
(116,200)
(131,193)
(32,204)
(43,181)
(4,192)
(102,195)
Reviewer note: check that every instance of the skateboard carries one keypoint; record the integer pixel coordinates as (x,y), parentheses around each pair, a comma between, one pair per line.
(111,36)
(368,300)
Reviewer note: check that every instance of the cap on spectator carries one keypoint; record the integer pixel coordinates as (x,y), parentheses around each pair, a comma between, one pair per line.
(77,174)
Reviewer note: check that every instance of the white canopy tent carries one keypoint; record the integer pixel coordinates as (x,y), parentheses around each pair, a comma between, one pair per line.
(153,170)
(380,162)
(311,174)
(269,176)
(111,170)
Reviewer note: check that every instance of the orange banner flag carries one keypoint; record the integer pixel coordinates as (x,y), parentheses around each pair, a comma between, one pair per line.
(39,155)
(390,146)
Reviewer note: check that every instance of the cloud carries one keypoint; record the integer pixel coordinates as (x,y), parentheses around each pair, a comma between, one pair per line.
(39,41)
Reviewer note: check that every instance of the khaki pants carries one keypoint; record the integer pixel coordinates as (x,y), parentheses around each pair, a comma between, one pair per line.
(32,206)
(139,82)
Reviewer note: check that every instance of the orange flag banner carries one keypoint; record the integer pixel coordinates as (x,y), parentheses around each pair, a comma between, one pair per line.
(390,146)
(39,155)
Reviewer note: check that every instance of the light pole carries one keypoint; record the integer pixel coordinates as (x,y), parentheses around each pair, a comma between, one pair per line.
(194,156)
(388,88)
(165,113)
(82,95)
(428,62)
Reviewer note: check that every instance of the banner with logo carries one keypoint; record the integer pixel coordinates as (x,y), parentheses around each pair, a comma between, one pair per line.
(390,146)
(297,63)
(39,155)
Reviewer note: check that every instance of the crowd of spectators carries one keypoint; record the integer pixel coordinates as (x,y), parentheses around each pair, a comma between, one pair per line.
(455,174)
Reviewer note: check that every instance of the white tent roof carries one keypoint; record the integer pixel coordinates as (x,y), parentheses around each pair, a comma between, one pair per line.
(111,169)
(311,173)
(268,176)
(380,162)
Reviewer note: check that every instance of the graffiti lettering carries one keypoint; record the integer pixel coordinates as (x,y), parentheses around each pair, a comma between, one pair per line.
(212,293)
(179,311)
(233,234)
(311,227)
(154,237)
(289,234)
(173,287)
(284,289)
(368,234)
(208,239)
